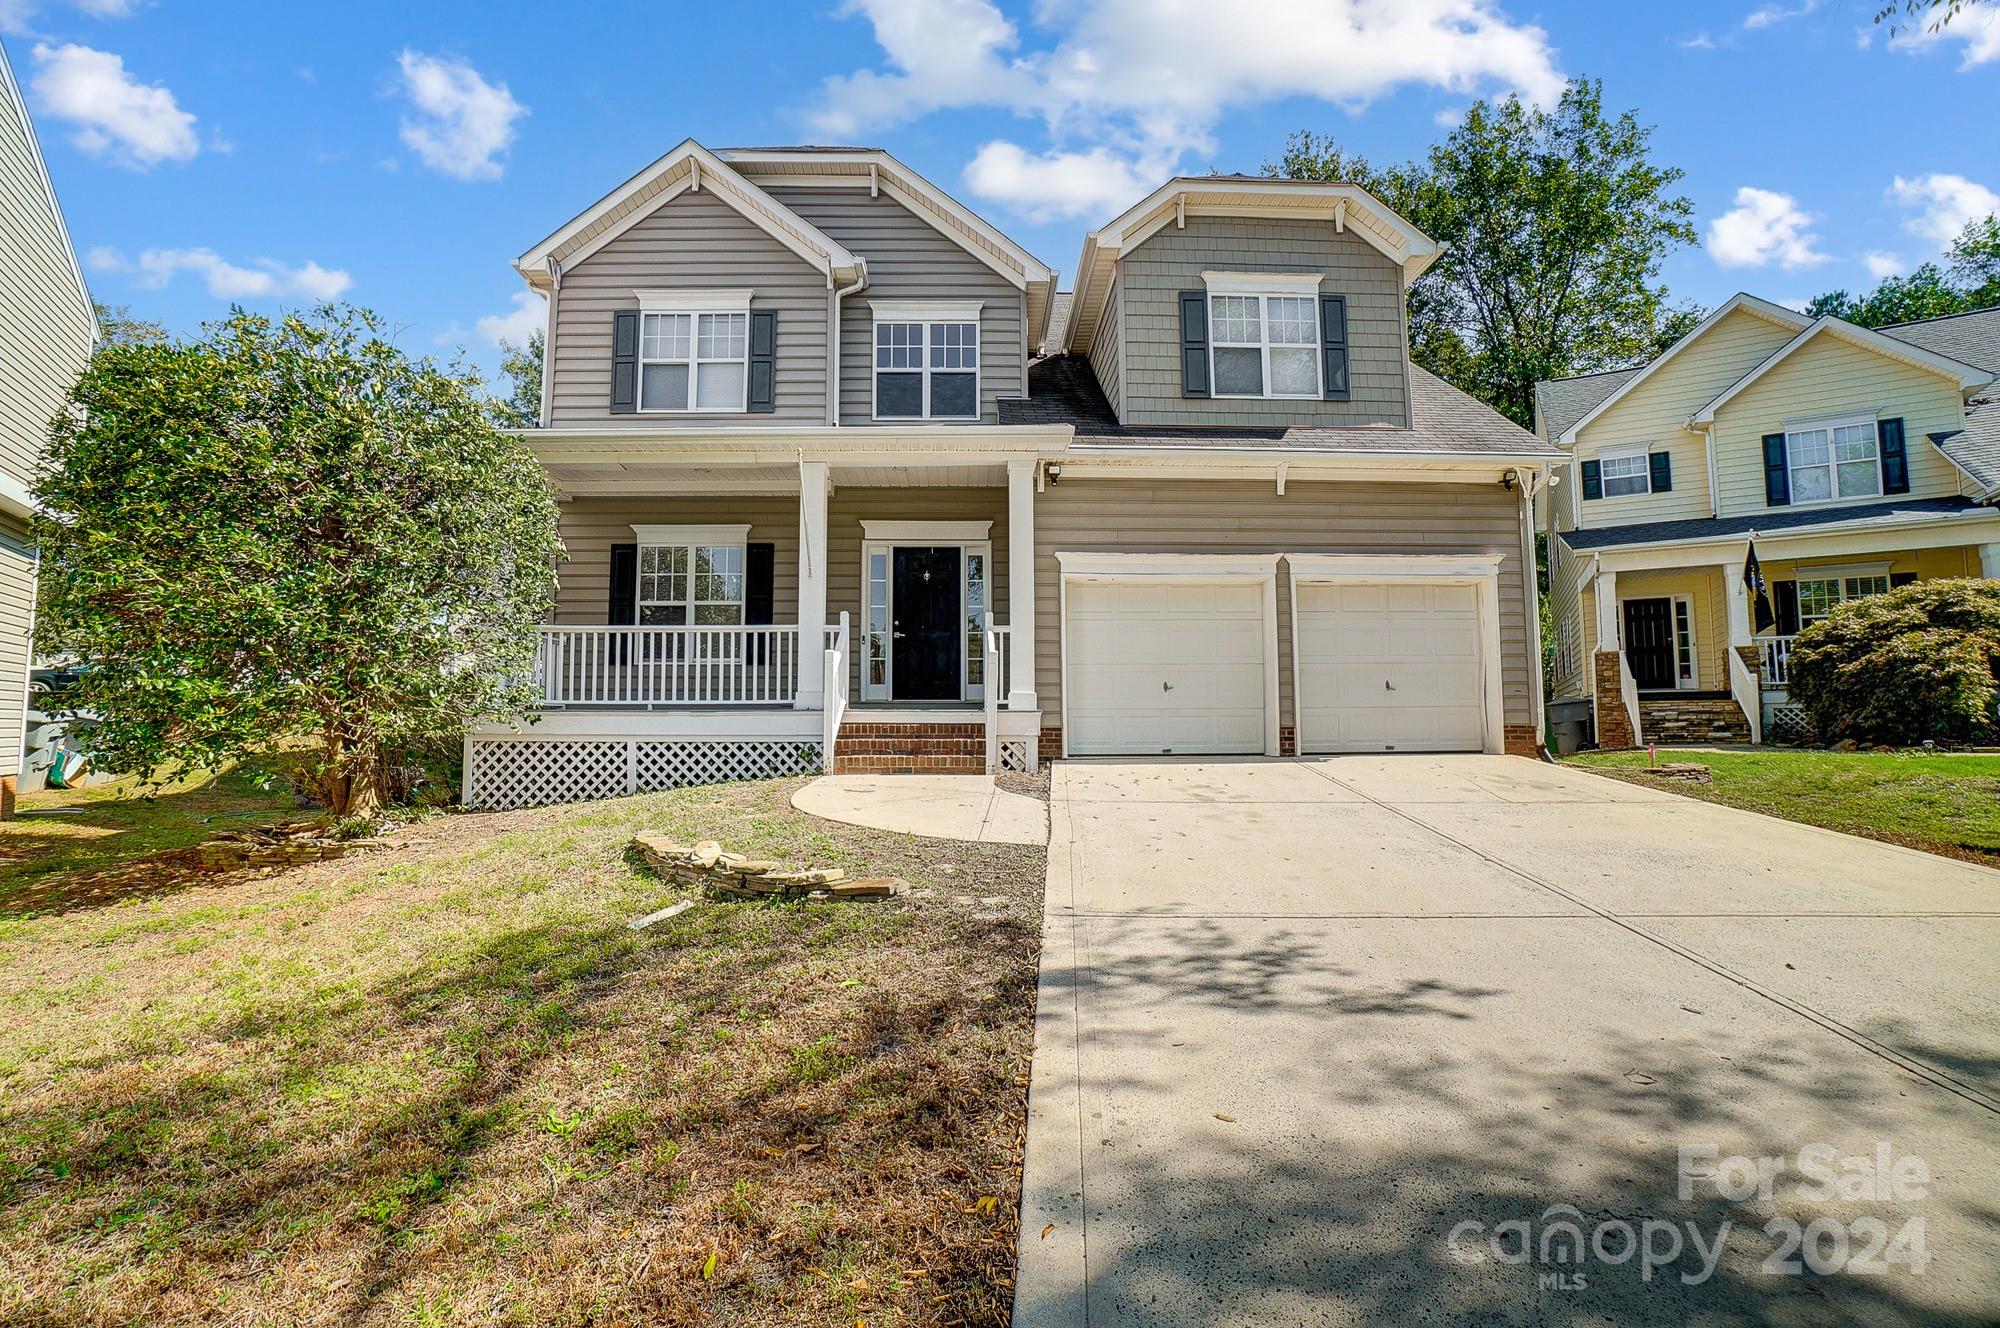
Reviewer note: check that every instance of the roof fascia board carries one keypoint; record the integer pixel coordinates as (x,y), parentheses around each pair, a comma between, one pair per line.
(1965,375)
(1982,490)
(1750,304)
(1722,542)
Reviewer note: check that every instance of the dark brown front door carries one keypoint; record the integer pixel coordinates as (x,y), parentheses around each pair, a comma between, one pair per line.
(926,630)
(1649,642)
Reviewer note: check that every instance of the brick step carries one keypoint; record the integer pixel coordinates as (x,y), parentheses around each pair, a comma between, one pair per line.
(875,748)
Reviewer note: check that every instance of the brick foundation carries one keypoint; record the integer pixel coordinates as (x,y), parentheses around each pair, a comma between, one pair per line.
(1520,740)
(1288,740)
(873,748)
(1049,745)
(1614,727)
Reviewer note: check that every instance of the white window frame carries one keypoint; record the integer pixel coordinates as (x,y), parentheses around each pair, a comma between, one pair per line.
(692,539)
(693,304)
(1843,590)
(882,539)
(1828,425)
(1687,656)
(1645,476)
(926,314)
(1265,287)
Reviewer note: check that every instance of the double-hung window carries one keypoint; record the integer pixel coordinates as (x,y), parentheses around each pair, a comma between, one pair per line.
(1264,334)
(1627,474)
(694,350)
(926,360)
(690,576)
(1818,598)
(1834,459)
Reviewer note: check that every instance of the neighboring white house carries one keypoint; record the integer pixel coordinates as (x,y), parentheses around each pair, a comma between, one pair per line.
(47,328)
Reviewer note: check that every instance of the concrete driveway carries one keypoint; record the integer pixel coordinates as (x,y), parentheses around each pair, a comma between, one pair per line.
(1330,1041)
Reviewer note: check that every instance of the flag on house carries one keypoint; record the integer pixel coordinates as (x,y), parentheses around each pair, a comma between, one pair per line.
(1760,593)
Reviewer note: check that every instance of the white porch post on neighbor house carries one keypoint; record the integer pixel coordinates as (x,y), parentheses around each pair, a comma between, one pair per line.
(812,585)
(1021,582)
(1738,599)
(1607,610)
(1989,561)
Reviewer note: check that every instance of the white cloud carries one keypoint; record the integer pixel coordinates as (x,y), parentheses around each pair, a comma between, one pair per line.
(1045,186)
(1764,227)
(1864,38)
(1769,16)
(1881,265)
(1976,25)
(17,16)
(463,122)
(1144,81)
(135,124)
(1948,202)
(265,278)
(528,316)
(1451,117)
(1701,41)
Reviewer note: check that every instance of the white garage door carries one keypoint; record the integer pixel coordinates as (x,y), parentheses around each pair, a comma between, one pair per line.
(1389,668)
(1164,668)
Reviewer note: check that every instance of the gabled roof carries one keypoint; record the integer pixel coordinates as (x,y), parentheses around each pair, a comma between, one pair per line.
(11,91)
(1347,206)
(689,166)
(1561,402)
(1967,376)
(1742,300)
(1975,449)
(1972,337)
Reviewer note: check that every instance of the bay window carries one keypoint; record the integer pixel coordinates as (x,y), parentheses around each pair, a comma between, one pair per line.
(926,360)
(1834,459)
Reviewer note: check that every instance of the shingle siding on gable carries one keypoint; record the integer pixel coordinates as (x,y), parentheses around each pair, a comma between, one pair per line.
(693,242)
(1107,352)
(909,259)
(1173,259)
(1828,376)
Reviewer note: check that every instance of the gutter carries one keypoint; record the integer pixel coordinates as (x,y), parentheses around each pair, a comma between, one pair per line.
(835,295)
(1830,528)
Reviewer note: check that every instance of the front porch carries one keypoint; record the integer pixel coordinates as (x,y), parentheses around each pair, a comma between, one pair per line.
(743,620)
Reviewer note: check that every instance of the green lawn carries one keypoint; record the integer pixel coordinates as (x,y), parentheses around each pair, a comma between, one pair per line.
(446,1085)
(1941,803)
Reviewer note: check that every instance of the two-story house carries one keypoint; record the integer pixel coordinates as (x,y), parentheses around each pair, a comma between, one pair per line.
(1854,461)
(846,483)
(47,329)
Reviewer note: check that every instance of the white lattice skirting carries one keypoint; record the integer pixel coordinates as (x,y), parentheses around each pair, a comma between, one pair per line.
(513,772)
(1013,753)
(1786,722)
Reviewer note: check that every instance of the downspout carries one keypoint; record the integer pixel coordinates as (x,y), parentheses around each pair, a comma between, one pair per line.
(549,341)
(1525,479)
(835,294)
(1708,450)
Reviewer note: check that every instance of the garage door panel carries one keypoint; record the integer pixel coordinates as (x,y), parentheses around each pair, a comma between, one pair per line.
(1390,668)
(1165,667)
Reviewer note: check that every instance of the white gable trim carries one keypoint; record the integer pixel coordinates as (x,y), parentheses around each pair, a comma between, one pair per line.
(1750,304)
(1965,375)
(705,171)
(12,91)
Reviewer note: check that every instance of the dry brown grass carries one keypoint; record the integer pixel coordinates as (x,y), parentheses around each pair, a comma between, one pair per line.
(448,1086)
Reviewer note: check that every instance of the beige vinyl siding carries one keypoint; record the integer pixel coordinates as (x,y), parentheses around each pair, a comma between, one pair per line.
(1925,564)
(17,607)
(1107,352)
(1708,611)
(910,259)
(693,242)
(1172,260)
(1655,413)
(1216,516)
(1572,677)
(1829,376)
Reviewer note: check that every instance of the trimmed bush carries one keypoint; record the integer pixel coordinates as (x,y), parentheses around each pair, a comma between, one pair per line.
(1920,662)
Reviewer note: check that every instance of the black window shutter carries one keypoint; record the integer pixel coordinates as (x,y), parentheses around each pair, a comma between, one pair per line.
(624,361)
(1777,480)
(1593,480)
(1895,457)
(622,607)
(1899,579)
(1333,347)
(1194,343)
(1785,603)
(1662,466)
(763,397)
(760,574)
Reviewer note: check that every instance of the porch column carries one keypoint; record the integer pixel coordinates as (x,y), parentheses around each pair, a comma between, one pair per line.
(1989,561)
(1607,610)
(1740,631)
(812,586)
(1021,582)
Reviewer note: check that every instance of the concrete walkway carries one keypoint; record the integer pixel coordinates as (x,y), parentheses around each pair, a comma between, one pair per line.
(1310,1031)
(966,807)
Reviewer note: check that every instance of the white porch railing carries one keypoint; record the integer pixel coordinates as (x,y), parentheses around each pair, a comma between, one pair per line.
(835,709)
(1777,659)
(653,666)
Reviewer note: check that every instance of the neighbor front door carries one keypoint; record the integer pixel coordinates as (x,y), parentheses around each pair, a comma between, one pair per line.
(926,634)
(1649,642)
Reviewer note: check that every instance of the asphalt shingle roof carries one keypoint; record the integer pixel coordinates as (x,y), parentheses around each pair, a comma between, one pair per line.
(1062,389)
(1772,522)
(1975,449)
(1972,338)
(1058,316)
(1561,402)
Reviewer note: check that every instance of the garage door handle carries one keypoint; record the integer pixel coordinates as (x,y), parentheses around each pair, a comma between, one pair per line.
(1166,687)
(1388,686)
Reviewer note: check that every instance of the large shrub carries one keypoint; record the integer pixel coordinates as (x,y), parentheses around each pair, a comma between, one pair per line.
(1921,662)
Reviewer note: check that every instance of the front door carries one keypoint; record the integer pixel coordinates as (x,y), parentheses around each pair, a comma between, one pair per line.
(1649,642)
(926,632)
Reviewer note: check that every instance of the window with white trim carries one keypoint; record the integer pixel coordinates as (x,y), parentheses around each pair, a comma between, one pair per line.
(1818,599)
(698,585)
(1836,459)
(693,361)
(927,369)
(1625,474)
(1264,345)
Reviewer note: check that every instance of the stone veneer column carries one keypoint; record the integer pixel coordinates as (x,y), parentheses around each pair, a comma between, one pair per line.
(1614,725)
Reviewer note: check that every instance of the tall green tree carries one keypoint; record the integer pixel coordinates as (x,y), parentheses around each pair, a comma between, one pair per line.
(521,408)
(287,530)
(1554,222)
(116,323)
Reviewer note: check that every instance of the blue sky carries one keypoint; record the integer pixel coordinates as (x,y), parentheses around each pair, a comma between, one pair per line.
(399,155)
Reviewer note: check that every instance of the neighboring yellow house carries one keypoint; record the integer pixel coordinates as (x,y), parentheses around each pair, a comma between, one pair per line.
(1856,460)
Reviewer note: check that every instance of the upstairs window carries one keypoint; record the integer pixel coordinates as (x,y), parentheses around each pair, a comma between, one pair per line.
(926,361)
(1264,345)
(1626,475)
(693,362)
(1840,459)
